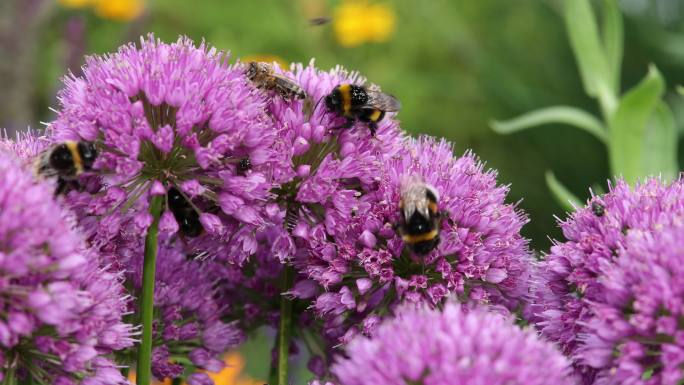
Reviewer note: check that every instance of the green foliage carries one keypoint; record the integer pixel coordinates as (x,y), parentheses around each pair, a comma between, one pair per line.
(563,196)
(639,129)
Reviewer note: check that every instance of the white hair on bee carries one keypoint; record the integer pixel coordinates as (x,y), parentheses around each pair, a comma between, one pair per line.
(414,196)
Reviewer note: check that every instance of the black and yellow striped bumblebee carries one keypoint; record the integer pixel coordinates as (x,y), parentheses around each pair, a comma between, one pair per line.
(187,217)
(420,216)
(366,104)
(66,161)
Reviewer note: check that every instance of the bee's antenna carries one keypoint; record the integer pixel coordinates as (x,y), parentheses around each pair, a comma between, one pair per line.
(315,107)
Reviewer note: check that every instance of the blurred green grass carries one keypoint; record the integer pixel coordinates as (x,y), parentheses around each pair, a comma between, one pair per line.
(455,65)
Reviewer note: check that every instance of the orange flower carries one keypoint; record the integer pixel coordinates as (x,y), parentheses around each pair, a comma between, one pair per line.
(357,21)
(230,375)
(266,59)
(121,10)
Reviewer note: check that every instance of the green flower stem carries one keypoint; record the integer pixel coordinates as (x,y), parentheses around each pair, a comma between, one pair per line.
(144,370)
(285,328)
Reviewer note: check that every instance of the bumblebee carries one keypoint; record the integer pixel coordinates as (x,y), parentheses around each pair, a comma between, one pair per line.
(186,216)
(354,102)
(66,161)
(420,216)
(263,76)
(598,209)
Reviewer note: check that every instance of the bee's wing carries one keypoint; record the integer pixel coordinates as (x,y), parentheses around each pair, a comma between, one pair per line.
(382,101)
(289,84)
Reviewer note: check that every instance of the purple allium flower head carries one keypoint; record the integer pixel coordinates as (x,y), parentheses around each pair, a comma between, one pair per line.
(61,313)
(325,171)
(567,280)
(188,310)
(635,333)
(362,262)
(431,347)
(174,115)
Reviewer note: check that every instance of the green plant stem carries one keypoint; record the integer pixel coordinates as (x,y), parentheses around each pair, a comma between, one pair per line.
(9,376)
(143,372)
(285,328)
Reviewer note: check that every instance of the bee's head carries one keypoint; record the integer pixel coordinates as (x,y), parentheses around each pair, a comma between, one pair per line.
(251,70)
(334,100)
(88,154)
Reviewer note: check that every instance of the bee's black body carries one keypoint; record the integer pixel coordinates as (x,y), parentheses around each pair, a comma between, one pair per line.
(185,214)
(356,102)
(420,218)
(66,161)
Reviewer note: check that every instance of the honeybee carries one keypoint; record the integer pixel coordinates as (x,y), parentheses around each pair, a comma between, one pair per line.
(420,216)
(263,76)
(367,104)
(66,161)
(186,216)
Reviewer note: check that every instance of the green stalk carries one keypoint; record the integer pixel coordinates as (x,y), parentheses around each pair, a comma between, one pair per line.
(144,370)
(285,328)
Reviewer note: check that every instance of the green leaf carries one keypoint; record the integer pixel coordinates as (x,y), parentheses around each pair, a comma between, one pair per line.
(558,114)
(660,143)
(627,145)
(613,40)
(586,45)
(563,196)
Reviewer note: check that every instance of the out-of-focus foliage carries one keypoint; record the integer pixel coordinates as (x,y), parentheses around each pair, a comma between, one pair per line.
(638,128)
(455,65)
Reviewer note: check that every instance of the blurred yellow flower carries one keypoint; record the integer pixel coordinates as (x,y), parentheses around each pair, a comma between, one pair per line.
(230,375)
(120,10)
(357,21)
(266,59)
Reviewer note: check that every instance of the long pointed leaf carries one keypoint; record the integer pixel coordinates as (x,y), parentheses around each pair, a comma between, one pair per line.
(628,126)
(558,114)
(613,40)
(563,196)
(660,146)
(586,45)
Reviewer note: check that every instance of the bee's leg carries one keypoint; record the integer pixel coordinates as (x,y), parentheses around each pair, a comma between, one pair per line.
(373,127)
(347,124)
(62,186)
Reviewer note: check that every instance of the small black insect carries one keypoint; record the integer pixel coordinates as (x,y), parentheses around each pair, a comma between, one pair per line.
(598,209)
(243,166)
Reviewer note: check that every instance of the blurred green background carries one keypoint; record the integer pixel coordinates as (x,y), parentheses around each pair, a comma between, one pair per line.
(455,65)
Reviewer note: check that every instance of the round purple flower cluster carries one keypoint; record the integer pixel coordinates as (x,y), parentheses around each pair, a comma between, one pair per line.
(635,333)
(188,310)
(452,346)
(62,313)
(365,267)
(174,116)
(569,280)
